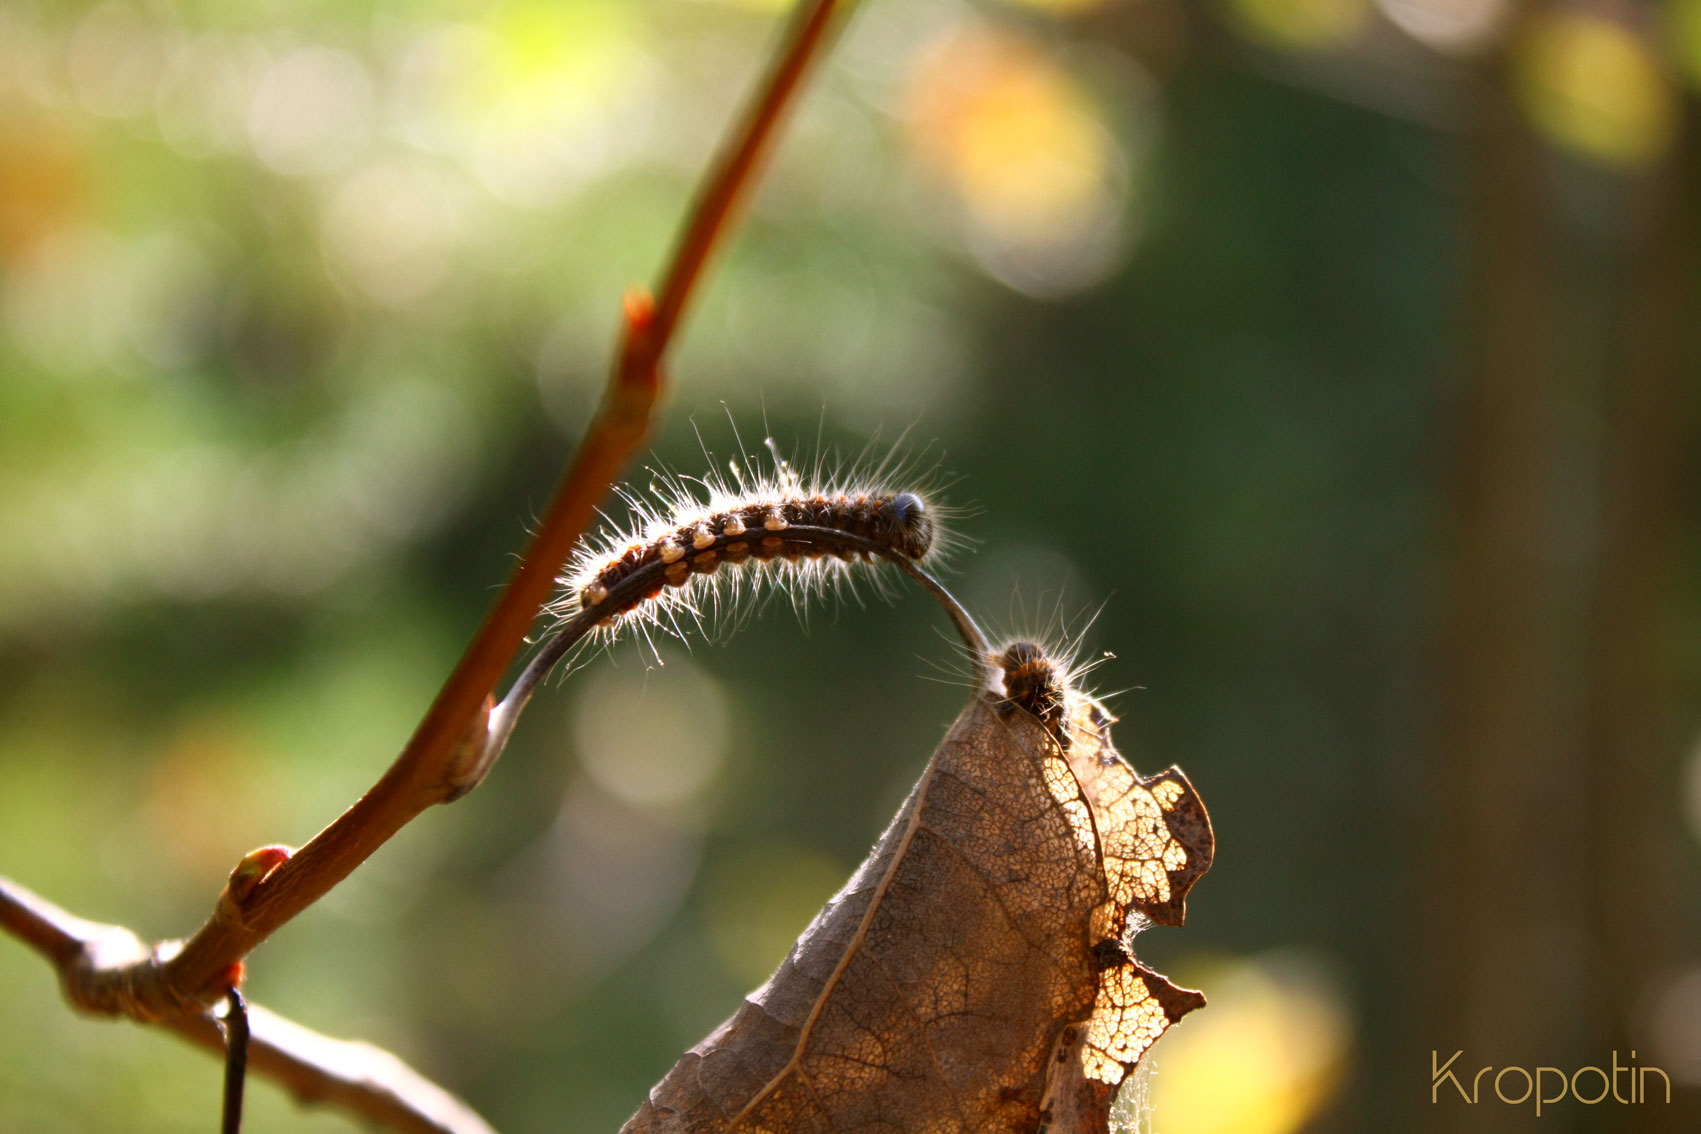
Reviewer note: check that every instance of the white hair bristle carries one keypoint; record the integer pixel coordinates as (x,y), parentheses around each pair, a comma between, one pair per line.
(725,541)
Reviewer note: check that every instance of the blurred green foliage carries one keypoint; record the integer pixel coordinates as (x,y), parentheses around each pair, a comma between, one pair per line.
(301,308)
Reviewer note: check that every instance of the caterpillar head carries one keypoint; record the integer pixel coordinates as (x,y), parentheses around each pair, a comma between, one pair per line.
(906,524)
(1034,681)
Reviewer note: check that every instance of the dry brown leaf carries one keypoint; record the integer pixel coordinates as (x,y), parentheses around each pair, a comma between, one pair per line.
(973,974)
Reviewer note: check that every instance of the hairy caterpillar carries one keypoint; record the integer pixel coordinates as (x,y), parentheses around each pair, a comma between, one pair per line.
(1034,681)
(806,538)
(1027,675)
(702,543)
(802,539)
(763,529)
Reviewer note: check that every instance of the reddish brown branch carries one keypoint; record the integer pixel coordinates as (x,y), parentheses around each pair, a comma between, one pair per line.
(728,180)
(354,1077)
(447,754)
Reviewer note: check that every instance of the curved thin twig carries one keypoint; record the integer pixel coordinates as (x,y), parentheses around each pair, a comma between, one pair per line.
(647,580)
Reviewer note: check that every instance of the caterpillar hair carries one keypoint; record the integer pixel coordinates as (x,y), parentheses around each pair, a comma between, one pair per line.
(714,541)
(1040,679)
(1034,681)
(721,540)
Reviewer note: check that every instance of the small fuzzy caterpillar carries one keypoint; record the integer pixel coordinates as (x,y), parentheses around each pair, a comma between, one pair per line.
(777,531)
(784,527)
(1034,681)
(1027,675)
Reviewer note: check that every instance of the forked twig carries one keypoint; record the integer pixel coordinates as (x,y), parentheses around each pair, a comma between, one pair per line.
(354,1077)
(176,982)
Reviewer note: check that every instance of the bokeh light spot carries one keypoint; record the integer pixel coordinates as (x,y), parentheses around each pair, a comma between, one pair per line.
(202,97)
(541,98)
(43,179)
(115,57)
(1061,7)
(1455,26)
(758,901)
(1026,152)
(389,232)
(1683,34)
(1305,24)
(653,738)
(1016,139)
(612,875)
(211,769)
(1594,87)
(311,112)
(1265,1058)
(1676,1028)
(54,305)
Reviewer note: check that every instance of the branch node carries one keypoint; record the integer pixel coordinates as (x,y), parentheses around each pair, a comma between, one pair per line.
(116,973)
(256,866)
(637,378)
(472,757)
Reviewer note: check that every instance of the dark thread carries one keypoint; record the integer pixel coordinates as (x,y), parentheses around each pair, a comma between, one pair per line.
(235,1060)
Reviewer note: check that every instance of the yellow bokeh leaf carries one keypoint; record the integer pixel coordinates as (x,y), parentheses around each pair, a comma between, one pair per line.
(1264,1060)
(1019,142)
(1306,24)
(1594,87)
